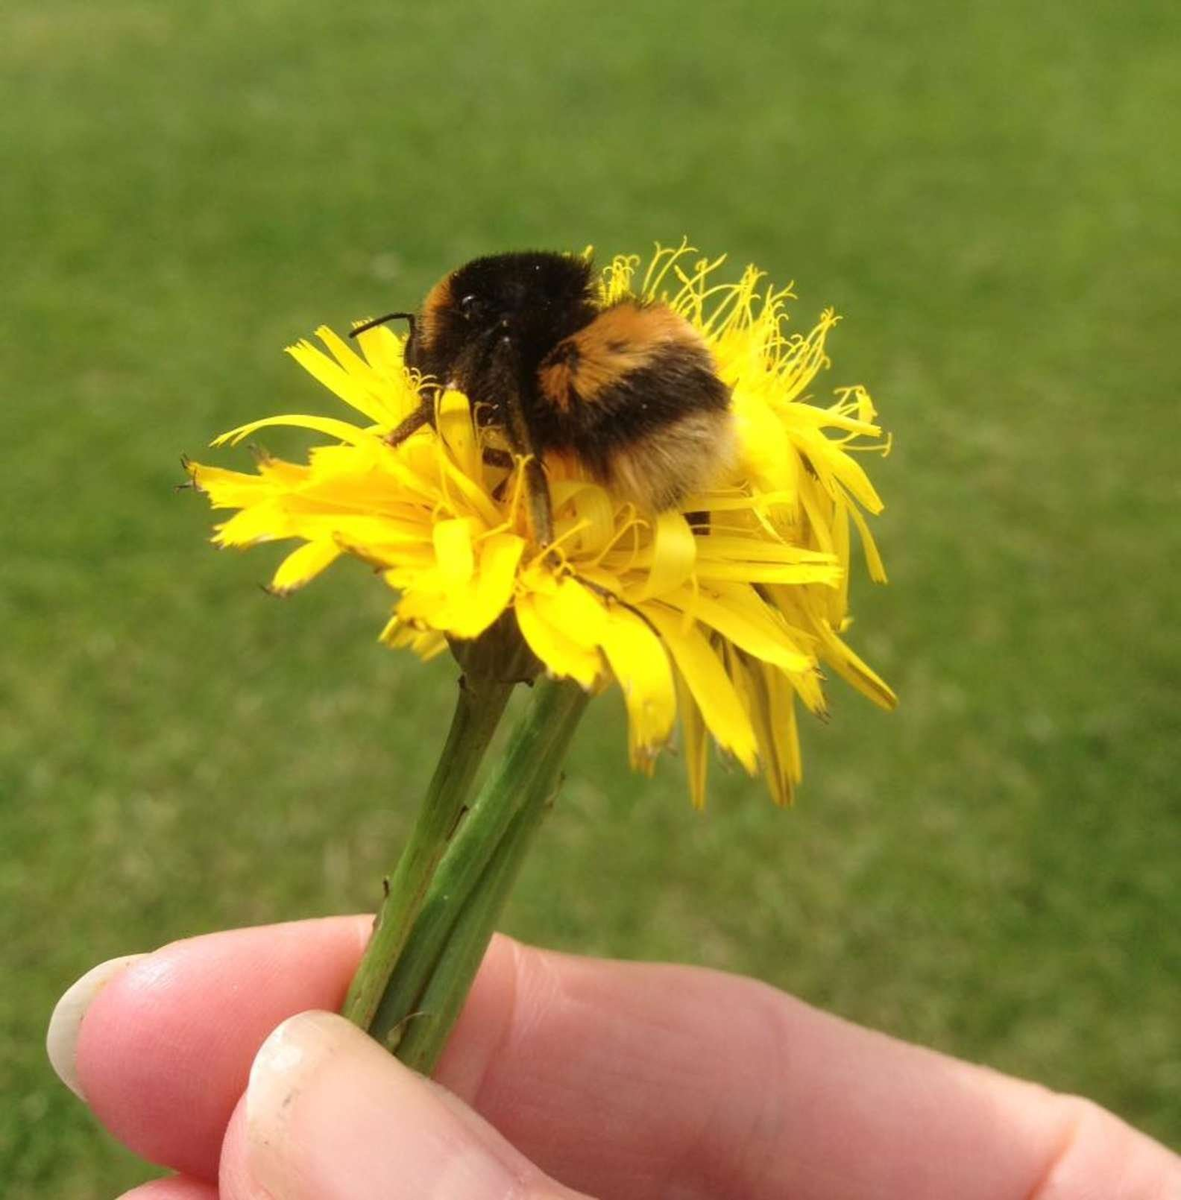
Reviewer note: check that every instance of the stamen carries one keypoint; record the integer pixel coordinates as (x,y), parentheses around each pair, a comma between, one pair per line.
(662,261)
(629,526)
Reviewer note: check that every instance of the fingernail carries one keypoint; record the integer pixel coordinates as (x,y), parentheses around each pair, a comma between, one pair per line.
(282,1069)
(61,1039)
(330,1114)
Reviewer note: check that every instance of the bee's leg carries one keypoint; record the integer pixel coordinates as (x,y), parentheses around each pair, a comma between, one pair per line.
(541,513)
(541,516)
(424,414)
(612,598)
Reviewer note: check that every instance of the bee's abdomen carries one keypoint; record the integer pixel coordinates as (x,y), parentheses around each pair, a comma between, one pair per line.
(636,397)
(660,470)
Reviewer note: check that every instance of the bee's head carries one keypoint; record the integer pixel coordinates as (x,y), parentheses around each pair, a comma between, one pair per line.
(507,308)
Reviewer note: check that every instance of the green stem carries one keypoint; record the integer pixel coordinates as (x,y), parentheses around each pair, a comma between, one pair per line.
(478,710)
(432,978)
(443,998)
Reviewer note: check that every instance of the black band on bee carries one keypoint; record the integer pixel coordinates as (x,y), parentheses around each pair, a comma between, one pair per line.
(628,404)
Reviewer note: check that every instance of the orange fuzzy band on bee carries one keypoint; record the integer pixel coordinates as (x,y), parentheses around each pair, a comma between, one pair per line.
(437,301)
(622,339)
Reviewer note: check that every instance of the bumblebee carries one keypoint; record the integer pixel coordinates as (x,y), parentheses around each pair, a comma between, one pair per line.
(630,389)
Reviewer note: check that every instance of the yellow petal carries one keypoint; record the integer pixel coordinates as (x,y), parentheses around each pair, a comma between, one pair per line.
(766,451)
(641,666)
(818,506)
(827,574)
(453,549)
(422,606)
(594,510)
(849,472)
(722,547)
(740,616)
(303,565)
(263,522)
(385,353)
(577,612)
(785,729)
(836,416)
(425,643)
(395,550)
(338,381)
(856,672)
(229,489)
(282,474)
(326,425)
(873,560)
(387,403)
(772,710)
(562,656)
(838,599)
(461,491)
(709,684)
(673,555)
(488,595)
(807,686)
(455,428)
(358,531)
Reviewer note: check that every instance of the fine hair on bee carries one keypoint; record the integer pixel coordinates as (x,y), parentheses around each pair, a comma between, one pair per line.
(629,389)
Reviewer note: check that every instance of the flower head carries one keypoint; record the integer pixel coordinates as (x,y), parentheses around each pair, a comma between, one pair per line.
(726,610)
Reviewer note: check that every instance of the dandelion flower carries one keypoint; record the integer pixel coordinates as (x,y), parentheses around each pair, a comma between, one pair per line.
(726,611)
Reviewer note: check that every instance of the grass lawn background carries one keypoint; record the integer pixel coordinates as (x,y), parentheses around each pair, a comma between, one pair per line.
(990,194)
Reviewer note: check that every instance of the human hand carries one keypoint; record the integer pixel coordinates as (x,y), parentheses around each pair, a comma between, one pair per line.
(619,1079)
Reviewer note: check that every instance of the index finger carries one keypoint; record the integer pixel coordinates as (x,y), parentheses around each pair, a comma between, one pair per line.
(164,1050)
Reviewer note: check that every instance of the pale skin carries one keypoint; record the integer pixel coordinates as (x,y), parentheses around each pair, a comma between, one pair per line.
(565,1077)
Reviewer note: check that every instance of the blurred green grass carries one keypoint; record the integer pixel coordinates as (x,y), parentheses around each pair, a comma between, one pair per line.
(987,194)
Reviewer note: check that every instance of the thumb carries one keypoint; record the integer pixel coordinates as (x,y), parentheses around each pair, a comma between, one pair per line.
(330,1115)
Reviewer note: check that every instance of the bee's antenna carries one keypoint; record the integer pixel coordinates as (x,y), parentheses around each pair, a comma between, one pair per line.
(407,317)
